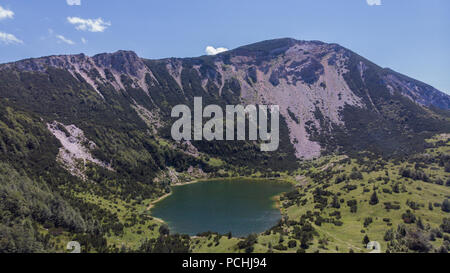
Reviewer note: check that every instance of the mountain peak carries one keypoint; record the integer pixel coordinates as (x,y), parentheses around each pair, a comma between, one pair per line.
(272,47)
(118,54)
(123,61)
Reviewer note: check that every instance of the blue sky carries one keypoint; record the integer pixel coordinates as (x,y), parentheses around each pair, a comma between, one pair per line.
(409,36)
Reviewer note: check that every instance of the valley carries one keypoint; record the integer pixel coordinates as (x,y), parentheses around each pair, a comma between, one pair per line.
(86,147)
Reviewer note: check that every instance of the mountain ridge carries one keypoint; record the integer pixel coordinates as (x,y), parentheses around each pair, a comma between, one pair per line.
(321,88)
(277,45)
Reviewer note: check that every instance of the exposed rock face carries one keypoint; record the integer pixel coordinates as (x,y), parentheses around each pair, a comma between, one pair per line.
(124,62)
(312,82)
(75,150)
(103,68)
(307,77)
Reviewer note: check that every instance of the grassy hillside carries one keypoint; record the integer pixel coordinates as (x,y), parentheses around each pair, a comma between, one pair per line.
(331,210)
(334,207)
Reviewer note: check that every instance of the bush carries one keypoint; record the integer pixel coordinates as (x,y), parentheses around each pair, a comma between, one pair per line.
(388,206)
(280,247)
(292,244)
(445,226)
(353,204)
(366,240)
(356,175)
(249,249)
(417,241)
(368,221)
(389,235)
(409,217)
(335,203)
(164,230)
(446,205)
(248,242)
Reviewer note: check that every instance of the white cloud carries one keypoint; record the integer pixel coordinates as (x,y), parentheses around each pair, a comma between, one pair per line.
(6,13)
(65,40)
(84,41)
(92,25)
(73,2)
(210,50)
(6,38)
(374,2)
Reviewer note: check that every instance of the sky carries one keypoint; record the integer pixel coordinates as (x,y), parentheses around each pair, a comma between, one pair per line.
(409,36)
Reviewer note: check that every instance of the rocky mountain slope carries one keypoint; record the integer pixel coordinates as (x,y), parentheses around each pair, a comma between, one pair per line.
(322,90)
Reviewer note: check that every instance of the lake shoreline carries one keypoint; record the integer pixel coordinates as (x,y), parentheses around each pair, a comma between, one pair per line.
(153,202)
(277,179)
(275,199)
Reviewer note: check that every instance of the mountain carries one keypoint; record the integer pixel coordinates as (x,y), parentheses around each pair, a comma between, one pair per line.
(329,96)
(69,119)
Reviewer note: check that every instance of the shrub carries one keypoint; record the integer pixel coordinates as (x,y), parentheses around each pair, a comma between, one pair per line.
(353,204)
(248,242)
(292,244)
(335,203)
(416,240)
(164,230)
(446,205)
(409,217)
(280,247)
(445,226)
(389,235)
(366,240)
(368,221)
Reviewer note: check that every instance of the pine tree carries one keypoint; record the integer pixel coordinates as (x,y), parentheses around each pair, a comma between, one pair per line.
(366,240)
(374,199)
(420,224)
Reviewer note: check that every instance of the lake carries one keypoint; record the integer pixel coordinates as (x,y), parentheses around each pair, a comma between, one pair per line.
(242,206)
